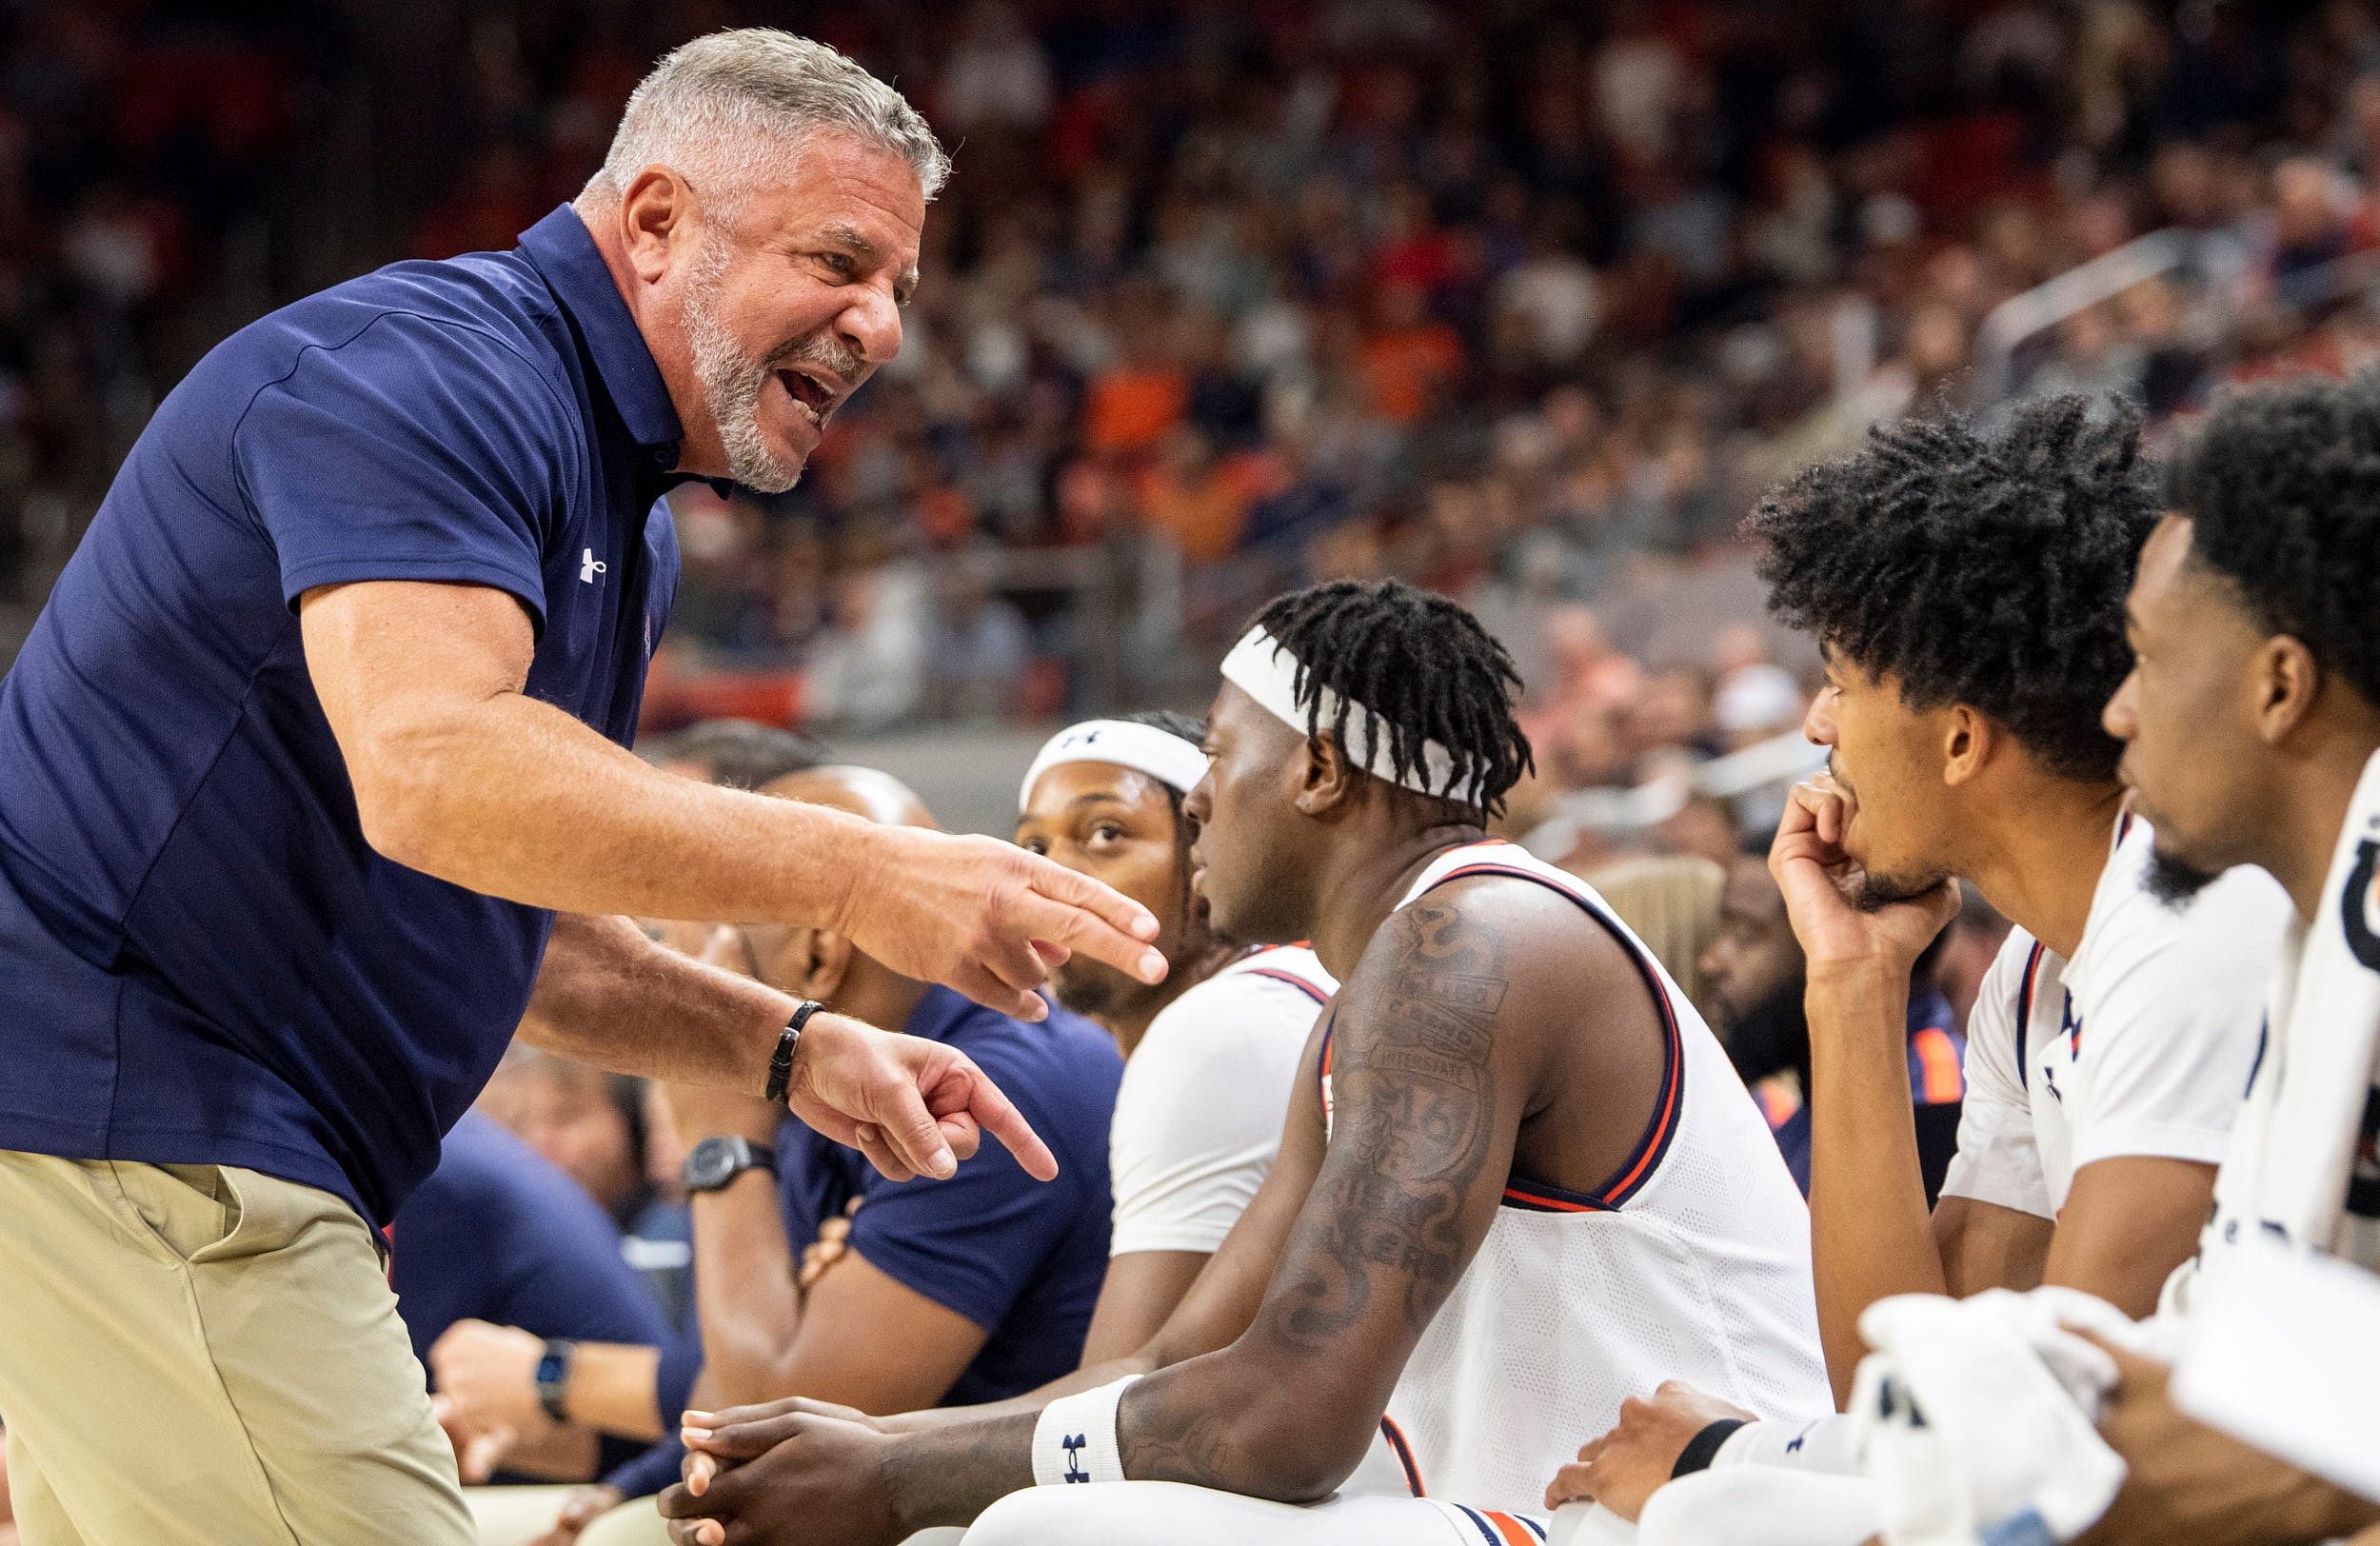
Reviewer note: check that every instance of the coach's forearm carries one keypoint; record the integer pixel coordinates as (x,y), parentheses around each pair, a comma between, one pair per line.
(609,996)
(515,798)
(1869,1234)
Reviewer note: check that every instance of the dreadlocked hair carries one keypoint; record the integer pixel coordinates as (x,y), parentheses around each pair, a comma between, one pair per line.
(2282,488)
(1986,568)
(1425,668)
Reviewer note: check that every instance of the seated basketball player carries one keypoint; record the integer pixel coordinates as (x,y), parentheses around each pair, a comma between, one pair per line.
(1520,1179)
(1968,592)
(2251,732)
(1211,1053)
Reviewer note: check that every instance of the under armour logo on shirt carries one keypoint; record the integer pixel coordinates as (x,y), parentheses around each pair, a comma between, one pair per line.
(589,567)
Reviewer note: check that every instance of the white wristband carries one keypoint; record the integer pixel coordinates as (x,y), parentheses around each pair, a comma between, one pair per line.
(1823,1445)
(1075,1439)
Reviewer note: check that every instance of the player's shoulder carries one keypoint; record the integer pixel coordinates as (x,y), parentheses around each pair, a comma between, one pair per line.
(1256,1011)
(1289,972)
(2238,921)
(1998,996)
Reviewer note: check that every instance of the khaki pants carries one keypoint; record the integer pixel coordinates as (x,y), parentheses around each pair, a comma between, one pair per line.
(193,1355)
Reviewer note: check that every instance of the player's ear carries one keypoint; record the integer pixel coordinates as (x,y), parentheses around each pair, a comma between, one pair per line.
(2287,679)
(1967,740)
(827,962)
(1327,777)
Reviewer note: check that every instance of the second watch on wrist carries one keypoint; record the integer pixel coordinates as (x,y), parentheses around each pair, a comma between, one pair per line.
(715,1162)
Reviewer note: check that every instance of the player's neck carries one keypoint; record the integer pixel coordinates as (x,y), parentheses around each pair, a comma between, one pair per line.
(1362,890)
(2038,861)
(2317,802)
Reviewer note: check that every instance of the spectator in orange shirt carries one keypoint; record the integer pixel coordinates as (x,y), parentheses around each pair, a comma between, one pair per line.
(1407,355)
(1195,497)
(1133,402)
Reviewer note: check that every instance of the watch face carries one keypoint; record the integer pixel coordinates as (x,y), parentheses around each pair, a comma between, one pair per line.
(712,1163)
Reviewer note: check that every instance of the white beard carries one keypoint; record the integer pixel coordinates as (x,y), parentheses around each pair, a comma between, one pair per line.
(732,381)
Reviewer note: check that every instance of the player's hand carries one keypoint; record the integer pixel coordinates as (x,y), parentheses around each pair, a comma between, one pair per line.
(1822,886)
(987,918)
(477,1451)
(488,1374)
(832,1246)
(581,1509)
(1633,1461)
(819,1481)
(913,1107)
(2186,1482)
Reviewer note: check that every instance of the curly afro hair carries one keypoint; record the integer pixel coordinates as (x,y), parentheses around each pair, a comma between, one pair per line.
(1976,567)
(2282,486)
(1421,663)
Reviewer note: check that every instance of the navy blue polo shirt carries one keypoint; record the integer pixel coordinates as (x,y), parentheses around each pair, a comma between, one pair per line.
(201,959)
(1022,1258)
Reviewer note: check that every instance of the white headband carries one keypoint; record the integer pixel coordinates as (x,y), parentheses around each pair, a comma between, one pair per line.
(1177,764)
(1262,667)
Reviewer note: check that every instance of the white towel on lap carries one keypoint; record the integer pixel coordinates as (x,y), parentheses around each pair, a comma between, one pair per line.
(1977,1417)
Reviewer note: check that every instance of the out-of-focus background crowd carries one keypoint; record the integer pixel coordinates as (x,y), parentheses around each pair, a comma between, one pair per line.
(1523,300)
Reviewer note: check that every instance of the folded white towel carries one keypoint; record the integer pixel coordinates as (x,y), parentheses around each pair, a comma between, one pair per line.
(1976,1418)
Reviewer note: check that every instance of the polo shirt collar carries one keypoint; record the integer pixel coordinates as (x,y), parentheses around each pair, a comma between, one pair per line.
(563,253)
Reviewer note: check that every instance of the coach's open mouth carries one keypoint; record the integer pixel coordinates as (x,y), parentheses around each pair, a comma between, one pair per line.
(812,394)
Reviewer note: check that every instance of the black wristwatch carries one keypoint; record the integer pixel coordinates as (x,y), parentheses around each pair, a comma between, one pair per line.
(553,1377)
(715,1162)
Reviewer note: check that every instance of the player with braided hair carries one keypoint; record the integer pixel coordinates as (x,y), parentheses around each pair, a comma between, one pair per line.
(1520,1179)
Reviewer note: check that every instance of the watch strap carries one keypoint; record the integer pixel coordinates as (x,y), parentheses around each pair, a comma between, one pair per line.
(707,1172)
(553,1377)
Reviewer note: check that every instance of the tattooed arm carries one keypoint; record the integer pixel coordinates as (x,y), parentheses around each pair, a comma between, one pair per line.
(1429,1087)
(1438,1050)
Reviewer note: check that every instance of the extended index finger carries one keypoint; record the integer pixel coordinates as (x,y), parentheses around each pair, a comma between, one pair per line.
(994,1112)
(1083,915)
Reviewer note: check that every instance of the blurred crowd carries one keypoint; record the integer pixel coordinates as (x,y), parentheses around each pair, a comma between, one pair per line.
(1522,301)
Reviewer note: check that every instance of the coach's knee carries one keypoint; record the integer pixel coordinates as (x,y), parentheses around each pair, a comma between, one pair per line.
(1048,1516)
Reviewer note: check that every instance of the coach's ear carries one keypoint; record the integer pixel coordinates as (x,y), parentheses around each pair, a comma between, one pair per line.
(1328,778)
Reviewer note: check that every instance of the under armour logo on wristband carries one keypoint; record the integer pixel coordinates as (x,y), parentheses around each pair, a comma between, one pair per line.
(1074,1444)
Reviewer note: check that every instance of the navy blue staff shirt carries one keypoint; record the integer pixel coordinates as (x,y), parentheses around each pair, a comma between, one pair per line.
(501,1233)
(201,959)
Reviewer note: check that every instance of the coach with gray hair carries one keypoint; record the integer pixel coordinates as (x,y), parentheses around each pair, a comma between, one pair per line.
(317,785)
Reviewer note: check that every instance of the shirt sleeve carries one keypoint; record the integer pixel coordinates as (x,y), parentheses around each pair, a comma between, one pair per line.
(975,1243)
(1198,1117)
(417,450)
(2171,1006)
(1998,1159)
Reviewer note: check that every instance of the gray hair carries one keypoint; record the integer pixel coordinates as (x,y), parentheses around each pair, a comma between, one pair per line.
(723,107)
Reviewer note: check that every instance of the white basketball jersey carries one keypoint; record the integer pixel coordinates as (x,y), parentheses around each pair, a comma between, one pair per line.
(1691,1263)
(2141,1046)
